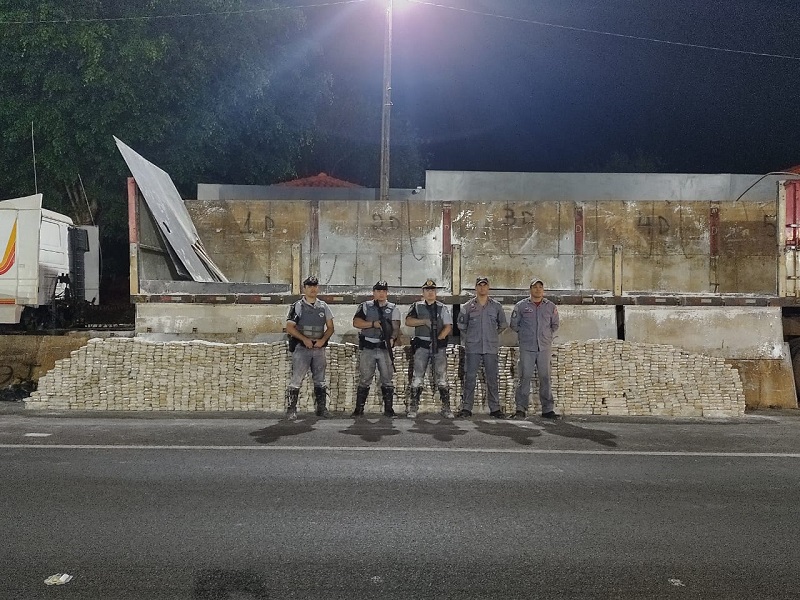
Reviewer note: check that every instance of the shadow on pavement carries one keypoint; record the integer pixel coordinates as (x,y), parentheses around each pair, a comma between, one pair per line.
(284,429)
(522,435)
(371,430)
(220,584)
(442,430)
(604,438)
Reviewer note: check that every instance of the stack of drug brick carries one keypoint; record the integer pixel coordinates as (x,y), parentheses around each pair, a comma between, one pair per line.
(613,377)
(605,377)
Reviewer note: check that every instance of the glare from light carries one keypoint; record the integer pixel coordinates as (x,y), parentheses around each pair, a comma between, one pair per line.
(401,5)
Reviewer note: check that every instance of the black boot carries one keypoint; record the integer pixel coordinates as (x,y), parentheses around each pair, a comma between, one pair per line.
(320,400)
(291,403)
(388,399)
(444,394)
(361,400)
(413,405)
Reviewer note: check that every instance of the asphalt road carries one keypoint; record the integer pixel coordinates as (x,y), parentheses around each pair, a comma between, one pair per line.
(154,506)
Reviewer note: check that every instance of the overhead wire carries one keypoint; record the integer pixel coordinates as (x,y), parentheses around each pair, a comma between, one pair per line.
(640,38)
(608,33)
(760,179)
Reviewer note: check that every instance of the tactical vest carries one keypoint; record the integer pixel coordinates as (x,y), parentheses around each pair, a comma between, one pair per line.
(310,319)
(372,312)
(424,312)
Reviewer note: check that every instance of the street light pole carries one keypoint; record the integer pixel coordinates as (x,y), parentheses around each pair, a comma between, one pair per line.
(387,103)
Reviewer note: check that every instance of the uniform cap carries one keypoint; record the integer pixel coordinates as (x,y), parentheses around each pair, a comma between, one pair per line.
(482,280)
(311,280)
(536,280)
(429,284)
(381,285)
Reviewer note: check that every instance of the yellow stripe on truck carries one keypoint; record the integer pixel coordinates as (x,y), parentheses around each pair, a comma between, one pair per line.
(10,255)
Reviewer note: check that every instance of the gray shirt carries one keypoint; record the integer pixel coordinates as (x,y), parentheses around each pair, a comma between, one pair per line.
(535,325)
(481,325)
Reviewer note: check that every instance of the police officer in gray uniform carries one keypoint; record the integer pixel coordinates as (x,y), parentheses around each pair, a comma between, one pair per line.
(379,323)
(536,321)
(432,323)
(309,326)
(481,320)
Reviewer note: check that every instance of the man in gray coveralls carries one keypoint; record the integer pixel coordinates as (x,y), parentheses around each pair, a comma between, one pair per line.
(536,321)
(481,320)
(379,323)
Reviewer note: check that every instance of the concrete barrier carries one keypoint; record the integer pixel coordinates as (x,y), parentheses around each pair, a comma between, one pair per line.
(750,338)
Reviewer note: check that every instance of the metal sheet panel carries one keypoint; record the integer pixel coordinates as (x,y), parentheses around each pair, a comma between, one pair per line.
(472,186)
(170,213)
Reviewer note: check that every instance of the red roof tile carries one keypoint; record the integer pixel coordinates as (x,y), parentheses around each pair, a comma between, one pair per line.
(323,180)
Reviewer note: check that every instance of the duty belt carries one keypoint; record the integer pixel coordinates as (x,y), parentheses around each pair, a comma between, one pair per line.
(417,343)
(367,345)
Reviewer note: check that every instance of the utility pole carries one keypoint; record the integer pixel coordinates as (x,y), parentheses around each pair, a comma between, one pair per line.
(387,103)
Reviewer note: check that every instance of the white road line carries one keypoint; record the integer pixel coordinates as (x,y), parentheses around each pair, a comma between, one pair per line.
(40,435)
(401,449)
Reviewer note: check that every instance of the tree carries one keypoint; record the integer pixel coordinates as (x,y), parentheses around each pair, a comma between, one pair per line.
(227,96)
(347,142)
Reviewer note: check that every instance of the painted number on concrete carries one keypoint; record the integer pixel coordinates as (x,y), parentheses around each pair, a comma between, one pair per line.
(381,223)
(269,225)
(655,224)
(512,220)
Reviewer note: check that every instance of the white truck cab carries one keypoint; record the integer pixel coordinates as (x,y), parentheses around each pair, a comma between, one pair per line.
(37,256)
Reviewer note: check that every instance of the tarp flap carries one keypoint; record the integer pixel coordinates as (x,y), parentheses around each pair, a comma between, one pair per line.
(169,212)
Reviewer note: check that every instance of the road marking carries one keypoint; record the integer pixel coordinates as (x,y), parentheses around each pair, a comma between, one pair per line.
(402,449)
(41,435)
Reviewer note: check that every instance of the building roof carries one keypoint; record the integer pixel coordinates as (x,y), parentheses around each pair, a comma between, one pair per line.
(323,180)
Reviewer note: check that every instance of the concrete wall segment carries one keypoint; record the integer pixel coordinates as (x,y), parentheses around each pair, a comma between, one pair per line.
(359,242)
(197,320)
(666,246)
(727,332)
(767,383)
(252,240)
(250,323)
(509,226)
(582,323)
(29,357)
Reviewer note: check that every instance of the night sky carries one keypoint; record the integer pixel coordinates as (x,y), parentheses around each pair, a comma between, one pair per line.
(499,94)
